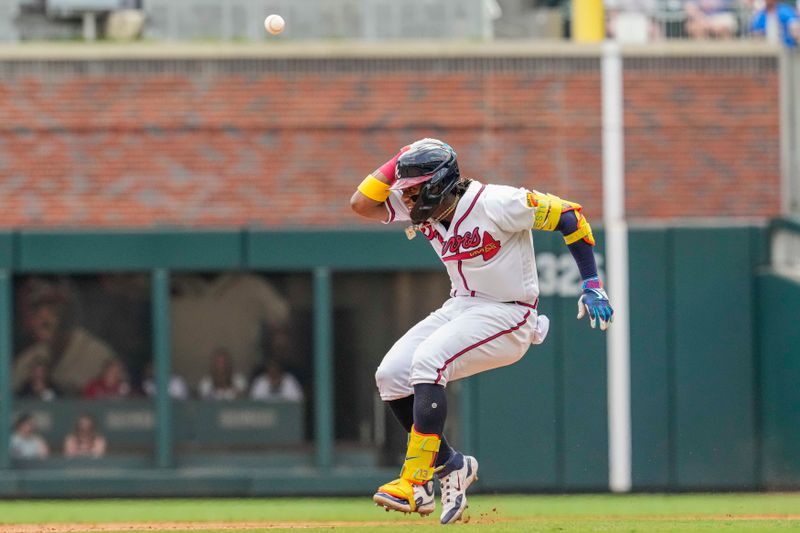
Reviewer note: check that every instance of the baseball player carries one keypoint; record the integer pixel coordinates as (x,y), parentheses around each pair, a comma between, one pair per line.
(481,232)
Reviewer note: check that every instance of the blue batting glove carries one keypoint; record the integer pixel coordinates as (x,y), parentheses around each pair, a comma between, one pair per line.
(594,302)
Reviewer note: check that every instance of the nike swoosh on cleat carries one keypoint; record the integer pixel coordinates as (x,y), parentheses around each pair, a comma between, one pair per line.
(410,458)
(455,512)
(391,497)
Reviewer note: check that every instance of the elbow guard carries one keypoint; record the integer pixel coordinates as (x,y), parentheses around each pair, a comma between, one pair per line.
(584,230)
(549,209)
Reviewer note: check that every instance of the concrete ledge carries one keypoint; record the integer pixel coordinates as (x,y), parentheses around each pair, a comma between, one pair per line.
(46,51)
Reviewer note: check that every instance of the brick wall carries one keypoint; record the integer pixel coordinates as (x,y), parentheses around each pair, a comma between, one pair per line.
(284,142)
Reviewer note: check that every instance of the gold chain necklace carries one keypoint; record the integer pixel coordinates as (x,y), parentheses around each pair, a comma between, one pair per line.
(411,231)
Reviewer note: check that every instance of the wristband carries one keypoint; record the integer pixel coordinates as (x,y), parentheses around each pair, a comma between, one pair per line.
(388,168)
(374,189)
(592,283)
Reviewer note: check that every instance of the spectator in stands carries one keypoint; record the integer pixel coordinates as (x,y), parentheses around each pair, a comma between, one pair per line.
(85,440)
(273,383)
(223,383)
(73,354)
(242,313)
(109,383)
(711,18)
(777,23)
(25,442)
(39,385)
(177,386)
(632,20)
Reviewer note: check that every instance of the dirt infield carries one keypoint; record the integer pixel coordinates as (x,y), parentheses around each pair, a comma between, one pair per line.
(244,526)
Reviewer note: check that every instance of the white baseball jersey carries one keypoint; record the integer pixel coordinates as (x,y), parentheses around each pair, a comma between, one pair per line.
(488,248)
(490,319)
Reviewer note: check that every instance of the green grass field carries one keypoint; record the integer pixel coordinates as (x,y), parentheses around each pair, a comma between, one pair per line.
(731,513)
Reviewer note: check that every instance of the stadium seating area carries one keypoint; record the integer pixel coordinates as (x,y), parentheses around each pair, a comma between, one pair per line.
(225,20)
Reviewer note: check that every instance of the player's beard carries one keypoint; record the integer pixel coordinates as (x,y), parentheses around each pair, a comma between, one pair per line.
(446,209)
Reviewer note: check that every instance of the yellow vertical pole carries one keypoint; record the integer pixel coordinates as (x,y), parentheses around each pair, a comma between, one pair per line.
(588,21)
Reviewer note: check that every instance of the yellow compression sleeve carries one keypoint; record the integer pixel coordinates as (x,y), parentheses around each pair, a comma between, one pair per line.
(374,189)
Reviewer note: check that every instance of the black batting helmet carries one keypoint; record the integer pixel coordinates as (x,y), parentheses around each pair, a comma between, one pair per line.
(433,164)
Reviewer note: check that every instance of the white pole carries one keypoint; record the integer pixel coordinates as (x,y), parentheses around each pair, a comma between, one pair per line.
(616,231)
(789,198)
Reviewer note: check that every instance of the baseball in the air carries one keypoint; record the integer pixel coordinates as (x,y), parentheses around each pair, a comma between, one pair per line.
(274,24)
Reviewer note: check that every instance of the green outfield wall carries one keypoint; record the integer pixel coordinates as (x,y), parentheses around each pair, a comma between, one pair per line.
(779,379)
(714,364)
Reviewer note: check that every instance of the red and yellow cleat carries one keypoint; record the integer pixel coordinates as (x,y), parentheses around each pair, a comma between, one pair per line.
(413,491)
(406,497)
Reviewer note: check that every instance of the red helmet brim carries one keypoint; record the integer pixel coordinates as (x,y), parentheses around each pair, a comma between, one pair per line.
(405,183)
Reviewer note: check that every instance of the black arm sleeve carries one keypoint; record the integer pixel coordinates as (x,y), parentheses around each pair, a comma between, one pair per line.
(581,250)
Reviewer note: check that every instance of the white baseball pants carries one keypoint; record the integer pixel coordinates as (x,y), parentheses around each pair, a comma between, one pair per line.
(465,336)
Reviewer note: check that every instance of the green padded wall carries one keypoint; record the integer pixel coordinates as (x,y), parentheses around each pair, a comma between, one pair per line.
(651,359)
(6,249)
(517,422)
(585,410)
(356,249)
(129,424)
(542,422)
(779,342)
(585,390)
(517,425)
(714,412)
(97,251)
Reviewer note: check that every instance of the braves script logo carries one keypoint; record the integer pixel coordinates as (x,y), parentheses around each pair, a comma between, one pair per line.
(472,244)
(429,232)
